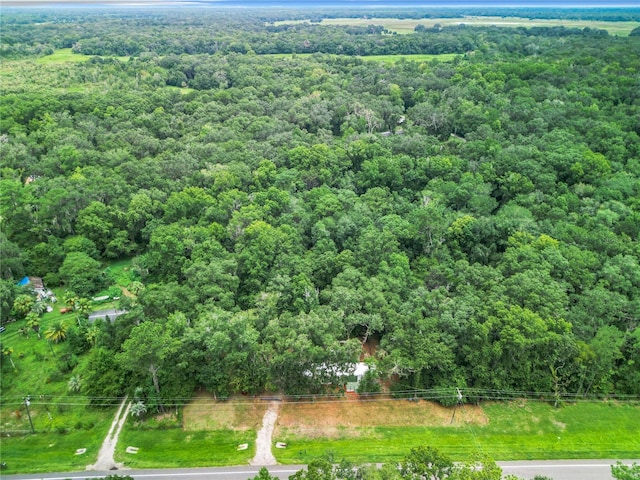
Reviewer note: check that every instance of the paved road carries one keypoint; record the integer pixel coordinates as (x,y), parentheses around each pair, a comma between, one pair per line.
(556,469)
(563,469)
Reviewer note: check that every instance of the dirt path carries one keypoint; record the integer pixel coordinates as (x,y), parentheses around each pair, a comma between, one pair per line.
(263,441)
(105,457)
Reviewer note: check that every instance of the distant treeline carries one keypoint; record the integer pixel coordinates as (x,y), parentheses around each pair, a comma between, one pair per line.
(227,32)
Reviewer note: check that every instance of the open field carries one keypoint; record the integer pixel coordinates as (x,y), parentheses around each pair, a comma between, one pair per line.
(63,55)
(55,452)
(443,57)
(204,413)
(175,447)
(418,57)
(210,434)
(516,430)
(407,25)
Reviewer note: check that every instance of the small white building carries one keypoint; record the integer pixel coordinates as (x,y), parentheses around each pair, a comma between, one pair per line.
(107,315)
(360,369)
(351,376)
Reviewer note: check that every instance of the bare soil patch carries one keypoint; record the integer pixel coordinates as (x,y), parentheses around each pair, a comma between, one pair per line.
(331,418)
(207,413)
(337,418)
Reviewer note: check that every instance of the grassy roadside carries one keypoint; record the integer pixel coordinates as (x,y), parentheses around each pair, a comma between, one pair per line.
(208,434)
(212,431)
(175,448)
(53,451)
(517,430)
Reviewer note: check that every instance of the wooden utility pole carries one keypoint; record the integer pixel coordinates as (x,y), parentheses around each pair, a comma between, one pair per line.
(27,402)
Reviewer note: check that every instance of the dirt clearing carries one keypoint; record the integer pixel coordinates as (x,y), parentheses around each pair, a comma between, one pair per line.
(326,418)
(338,417)
(206,413)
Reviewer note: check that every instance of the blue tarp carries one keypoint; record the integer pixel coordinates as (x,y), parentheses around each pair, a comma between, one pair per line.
(23,282)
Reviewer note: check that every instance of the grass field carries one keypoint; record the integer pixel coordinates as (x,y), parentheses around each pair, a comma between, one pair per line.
(54,452)
(444,57)
(204,413)
(210,435)
(408,25)
(419,57)
(517,430)
(63,55)
(174,448)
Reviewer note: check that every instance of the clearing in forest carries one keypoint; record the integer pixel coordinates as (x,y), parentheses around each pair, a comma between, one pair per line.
(206,413)
(330,418)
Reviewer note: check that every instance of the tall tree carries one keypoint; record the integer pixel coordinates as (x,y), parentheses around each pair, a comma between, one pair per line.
(148,350)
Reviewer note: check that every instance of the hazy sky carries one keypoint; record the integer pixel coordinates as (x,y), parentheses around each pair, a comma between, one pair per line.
(296,4)
(351,3)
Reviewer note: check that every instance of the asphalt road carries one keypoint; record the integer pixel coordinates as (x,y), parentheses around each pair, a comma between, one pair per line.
(555,469)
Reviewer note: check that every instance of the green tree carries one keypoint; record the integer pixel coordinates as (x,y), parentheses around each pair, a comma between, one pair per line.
(8,352)
(74,385)
(23,304)
(82,274)
(57,331)
(138,409)
(149,349)
(7,298)
(619,471)
(33,322)
(102,376)
(426,463)
(316,470)
(264,474)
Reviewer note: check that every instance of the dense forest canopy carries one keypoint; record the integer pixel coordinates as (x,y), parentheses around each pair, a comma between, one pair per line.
(476,221)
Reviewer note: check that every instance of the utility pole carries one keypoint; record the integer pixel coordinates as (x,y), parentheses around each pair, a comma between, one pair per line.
(458,403)
(27,402)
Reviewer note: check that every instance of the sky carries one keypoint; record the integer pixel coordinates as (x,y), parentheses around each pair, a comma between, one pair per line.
(348,3)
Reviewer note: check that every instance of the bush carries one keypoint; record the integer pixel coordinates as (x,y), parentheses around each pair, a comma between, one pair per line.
(62,430)
(369,383)
(67,363)
(114,292)
(55,376)
(51,280)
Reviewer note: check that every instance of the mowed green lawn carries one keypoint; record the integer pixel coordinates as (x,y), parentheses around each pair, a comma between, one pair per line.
(53,451)
(408,25)
(518,430)
(176,448)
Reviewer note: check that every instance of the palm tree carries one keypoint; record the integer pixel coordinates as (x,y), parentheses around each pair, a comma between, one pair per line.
(57,332)
(91,335)
(82,308)
(74,384)
(33,322)
(39,308)
(7,351)
(138,409)
(69,298)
